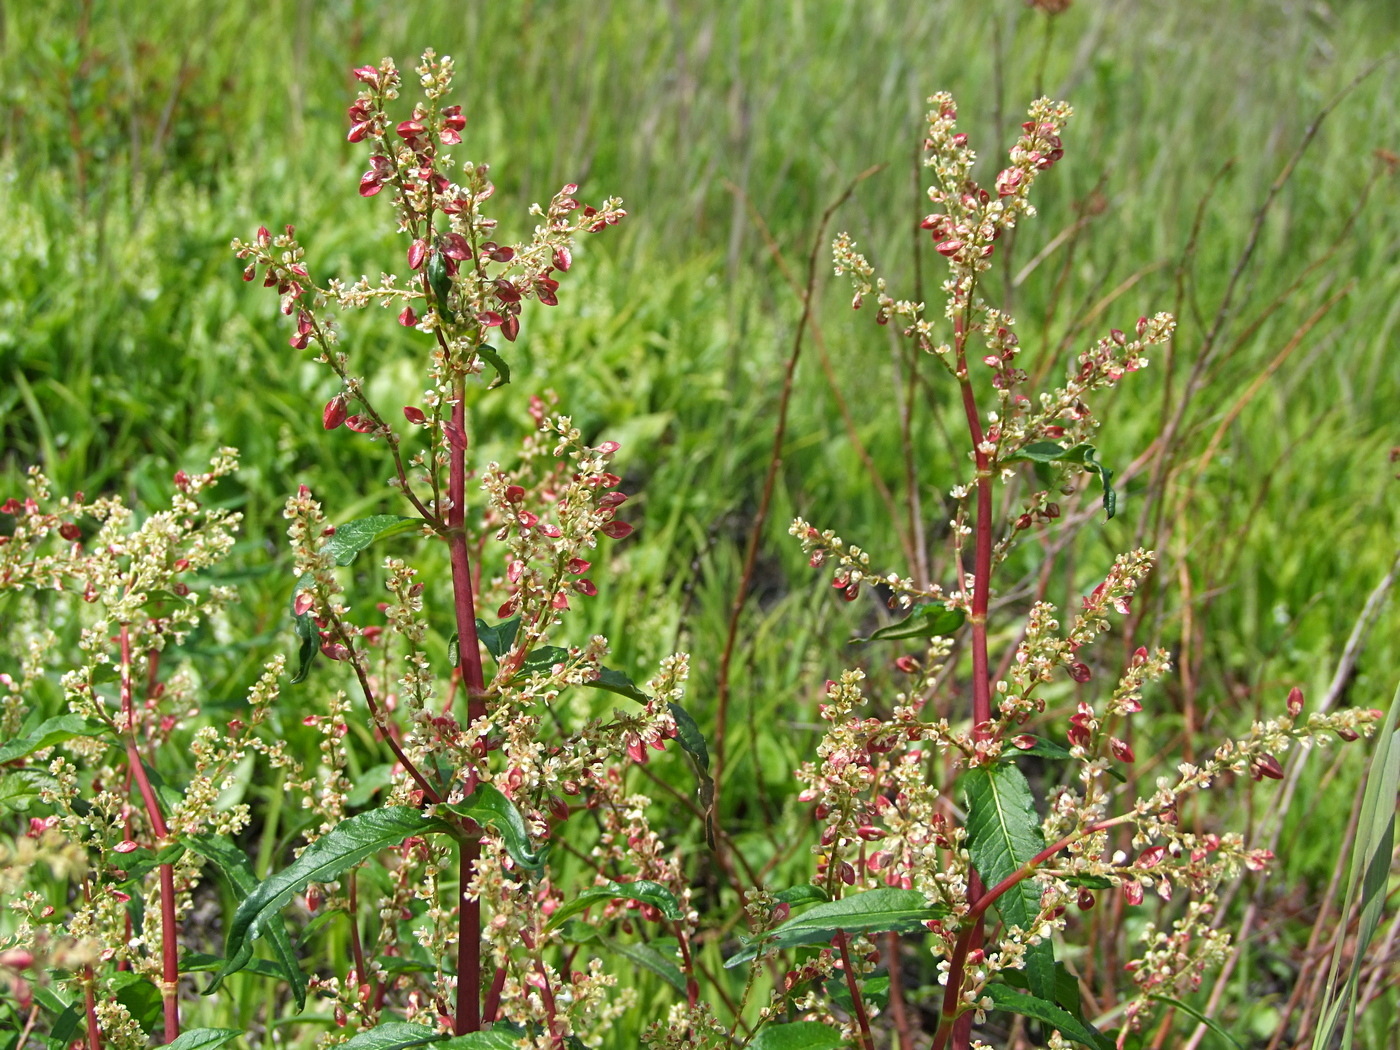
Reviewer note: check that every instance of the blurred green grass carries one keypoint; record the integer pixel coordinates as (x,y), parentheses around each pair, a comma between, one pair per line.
(138,141)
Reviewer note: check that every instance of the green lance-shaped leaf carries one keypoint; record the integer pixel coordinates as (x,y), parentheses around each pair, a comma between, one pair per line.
(924,621)
(498,639)
(203,1038)
(400,1035)
(692,741)
(233,866)
(487,806)
(351,841)
(492,357)
(653,893)
(1003,834)
(1036,1008)
(611,681)
(441,283)
(1043,748)
(805,893)
(308,639)
(354,536)
(650,959)
(1205,1019)
(22,788)
(1043,453)
(799,1035)
(50,732)
(392,1035)
(874,911)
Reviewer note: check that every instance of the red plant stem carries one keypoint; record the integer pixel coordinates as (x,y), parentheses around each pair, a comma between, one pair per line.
(857,1003)
(551,1012)
(898,1008)
(973,924)
(493,996)
(94,1035)
(981,679)
(468,1013)
(692,986)
(169,929)
(356,948)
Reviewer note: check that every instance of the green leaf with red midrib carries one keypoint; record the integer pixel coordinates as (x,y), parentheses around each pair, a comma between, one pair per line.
(1003,834)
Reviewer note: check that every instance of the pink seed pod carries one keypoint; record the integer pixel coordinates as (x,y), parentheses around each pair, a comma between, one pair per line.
(417,252)
(563,259)
(1132,892)
(949,248)
(1121,750)
(335,412)
(414,415)
(1151,857)
(1080,672)
(408,318)
(1009,181)
(359,424)
(1295,701)
(617,530)
(1086,900)
(1266,766)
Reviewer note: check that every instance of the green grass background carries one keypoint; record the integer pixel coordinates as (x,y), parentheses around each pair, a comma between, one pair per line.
(139,139)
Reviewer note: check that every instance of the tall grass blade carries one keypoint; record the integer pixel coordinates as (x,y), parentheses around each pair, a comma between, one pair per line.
(1370,869)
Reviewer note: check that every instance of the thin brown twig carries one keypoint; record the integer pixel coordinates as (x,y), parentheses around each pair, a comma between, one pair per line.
(765,502)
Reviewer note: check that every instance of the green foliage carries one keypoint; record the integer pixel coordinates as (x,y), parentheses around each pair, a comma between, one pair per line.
(1003,831)
(871,911)
(124,344)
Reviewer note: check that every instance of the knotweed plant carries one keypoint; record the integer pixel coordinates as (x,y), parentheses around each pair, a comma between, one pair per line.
(101,820)
(456,906)
(488,763)
(990,869)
